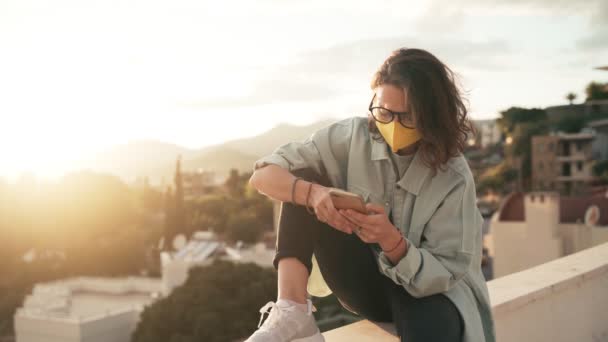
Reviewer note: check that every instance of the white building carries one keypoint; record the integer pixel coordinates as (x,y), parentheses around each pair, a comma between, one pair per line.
(535,228)
(95,309)
(488,132)
(201,250)
(85,309)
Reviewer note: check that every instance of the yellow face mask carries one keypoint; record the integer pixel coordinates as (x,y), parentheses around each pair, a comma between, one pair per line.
(397,136)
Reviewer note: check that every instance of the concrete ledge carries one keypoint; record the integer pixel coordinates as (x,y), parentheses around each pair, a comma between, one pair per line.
(562,300)
(519,289)
(363,331)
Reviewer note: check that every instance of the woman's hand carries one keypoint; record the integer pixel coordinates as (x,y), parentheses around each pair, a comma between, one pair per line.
(375,227)
(325,210)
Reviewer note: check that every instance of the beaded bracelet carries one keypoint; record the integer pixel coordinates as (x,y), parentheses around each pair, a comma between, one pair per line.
(293,190)
(397,245)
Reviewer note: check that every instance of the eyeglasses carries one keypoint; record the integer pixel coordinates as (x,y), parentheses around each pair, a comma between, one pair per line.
(385,116)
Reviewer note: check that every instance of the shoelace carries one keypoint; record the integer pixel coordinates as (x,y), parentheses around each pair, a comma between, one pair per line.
(272,319)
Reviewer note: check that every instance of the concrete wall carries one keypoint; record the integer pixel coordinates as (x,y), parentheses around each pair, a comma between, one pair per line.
(520,245)
(113,327)
(577,236)
(563,300)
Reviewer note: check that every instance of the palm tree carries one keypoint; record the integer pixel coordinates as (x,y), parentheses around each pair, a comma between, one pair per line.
(570,97)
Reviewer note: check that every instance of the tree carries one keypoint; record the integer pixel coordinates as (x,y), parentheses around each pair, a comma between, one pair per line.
(217,303)
(600,170)
(596,91)
(245,226)
(570,97)
(520,124)
(169,232)
(179,215)
(234,184)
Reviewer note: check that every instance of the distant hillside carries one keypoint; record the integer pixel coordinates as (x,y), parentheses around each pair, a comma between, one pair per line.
(156,160)
(219,159)
(134,158)
(265,143)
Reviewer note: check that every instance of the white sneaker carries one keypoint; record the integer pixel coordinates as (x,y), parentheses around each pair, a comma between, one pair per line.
(287,323)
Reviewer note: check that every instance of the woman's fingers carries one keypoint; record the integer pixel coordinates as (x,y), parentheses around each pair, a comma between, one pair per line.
(327,213)
(337,220)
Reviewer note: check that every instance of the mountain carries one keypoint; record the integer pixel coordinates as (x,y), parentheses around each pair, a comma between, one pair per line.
(156,159)
(265,143)
(134,158)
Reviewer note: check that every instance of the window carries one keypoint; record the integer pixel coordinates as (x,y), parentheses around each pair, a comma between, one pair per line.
(550,147)
(579,166)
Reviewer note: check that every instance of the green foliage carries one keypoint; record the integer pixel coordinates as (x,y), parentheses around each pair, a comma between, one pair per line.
(570,97)
(571,124)
(596,91)
(240,214)
(245,226)
(515,116)
(496,178)
(600,168)
(219,302)
(521,124)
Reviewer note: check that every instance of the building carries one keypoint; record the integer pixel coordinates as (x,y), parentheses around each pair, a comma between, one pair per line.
(85,309)
(535,228)
(196,184)
(562,162)
(201,250)
(96,309)
(599,148)
(488,132)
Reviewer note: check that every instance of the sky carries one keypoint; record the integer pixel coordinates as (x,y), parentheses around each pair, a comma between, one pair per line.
(79,76)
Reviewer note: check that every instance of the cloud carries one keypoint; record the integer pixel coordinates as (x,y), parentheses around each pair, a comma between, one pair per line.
(322,74)
(271,91)
(595,10)
(366,55)
(598,40)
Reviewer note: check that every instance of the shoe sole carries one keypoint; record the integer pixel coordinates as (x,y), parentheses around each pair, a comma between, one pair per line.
(314,338)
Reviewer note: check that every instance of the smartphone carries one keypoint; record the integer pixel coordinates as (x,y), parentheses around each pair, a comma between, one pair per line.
(347,200)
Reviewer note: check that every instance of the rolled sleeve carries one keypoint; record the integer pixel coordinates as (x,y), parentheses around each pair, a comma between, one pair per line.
(446,249)
(325,152)
(406,268)
(293,156)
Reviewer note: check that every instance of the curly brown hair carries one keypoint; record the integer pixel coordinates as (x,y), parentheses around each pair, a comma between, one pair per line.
(435,99)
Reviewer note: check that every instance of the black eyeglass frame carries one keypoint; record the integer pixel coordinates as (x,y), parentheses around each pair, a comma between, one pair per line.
(393,114)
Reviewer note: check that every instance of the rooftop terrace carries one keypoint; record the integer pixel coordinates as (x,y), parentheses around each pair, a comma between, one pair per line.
(562,300)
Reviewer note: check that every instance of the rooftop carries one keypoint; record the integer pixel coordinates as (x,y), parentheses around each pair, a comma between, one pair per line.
(525,304)
(572,209)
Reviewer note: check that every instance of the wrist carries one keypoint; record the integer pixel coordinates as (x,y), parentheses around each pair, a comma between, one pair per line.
(315,191)
(391,240)
(299,189)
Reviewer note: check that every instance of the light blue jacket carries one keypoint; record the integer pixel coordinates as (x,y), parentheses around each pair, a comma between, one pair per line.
(437,215)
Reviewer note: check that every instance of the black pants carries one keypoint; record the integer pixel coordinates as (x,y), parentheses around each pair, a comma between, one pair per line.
(351,272)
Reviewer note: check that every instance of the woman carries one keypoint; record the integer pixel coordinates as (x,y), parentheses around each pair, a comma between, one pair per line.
(415,258)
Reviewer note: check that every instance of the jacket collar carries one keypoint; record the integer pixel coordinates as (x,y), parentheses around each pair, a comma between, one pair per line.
(414,176)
